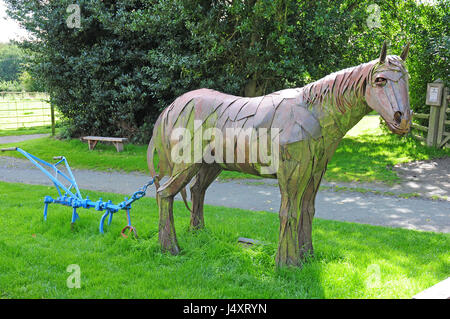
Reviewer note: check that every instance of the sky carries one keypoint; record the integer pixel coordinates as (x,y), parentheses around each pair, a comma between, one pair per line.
(9,29)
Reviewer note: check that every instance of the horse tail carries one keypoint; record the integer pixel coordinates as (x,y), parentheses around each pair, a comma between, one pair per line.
(151,165)
(156,178)
(163,163)
(184,196)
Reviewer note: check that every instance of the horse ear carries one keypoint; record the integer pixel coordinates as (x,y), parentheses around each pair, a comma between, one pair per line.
(383,53)
(405,52)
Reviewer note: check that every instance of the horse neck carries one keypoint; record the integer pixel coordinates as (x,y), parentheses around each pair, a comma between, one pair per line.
(338,113)
(337,121)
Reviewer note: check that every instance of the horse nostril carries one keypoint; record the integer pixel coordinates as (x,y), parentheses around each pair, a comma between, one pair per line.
(398,117)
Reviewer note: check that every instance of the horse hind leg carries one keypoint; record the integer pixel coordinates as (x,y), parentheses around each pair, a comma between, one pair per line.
(205,176)
(164,196)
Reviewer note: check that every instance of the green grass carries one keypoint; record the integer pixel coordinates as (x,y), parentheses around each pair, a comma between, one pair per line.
(34,255)
(370,157)
(46,129)
(104,157)
(366,154)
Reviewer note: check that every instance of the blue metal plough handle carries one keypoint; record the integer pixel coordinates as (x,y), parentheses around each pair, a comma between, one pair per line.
(72,196)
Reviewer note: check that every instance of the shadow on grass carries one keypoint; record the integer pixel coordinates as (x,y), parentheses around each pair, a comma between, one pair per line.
(369,158)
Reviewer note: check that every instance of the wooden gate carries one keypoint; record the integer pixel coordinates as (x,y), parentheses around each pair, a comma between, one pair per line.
(437,133)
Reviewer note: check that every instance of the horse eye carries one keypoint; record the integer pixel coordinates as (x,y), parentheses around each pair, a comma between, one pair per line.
(380,81)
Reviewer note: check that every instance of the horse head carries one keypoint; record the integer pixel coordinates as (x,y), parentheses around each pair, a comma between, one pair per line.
(387,91)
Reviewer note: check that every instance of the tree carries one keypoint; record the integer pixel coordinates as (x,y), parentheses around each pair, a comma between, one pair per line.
(11,58)
(129,59)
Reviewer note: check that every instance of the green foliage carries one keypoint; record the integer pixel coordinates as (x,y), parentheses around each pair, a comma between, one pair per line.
(25,82)
(10,86)
(11,58)
(13,77)
(34,255)
(130,59)
(28,83)
(428,32)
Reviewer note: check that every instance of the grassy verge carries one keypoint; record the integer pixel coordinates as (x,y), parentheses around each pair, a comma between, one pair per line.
(47,129)
(370,157)
(104,157)
(351,260)
(366,154)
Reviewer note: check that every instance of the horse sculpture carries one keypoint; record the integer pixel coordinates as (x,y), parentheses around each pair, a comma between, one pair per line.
(309,123)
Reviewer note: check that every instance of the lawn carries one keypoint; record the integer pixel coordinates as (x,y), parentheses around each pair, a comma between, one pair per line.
(45,129)
(366,154)
(103,157)
(351,260)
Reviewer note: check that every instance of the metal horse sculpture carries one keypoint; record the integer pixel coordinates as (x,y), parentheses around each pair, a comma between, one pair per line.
(311,122)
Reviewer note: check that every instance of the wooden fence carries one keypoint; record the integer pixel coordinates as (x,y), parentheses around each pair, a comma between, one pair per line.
(437,132)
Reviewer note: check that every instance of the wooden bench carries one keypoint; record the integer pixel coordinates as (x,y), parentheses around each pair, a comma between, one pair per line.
(93,140)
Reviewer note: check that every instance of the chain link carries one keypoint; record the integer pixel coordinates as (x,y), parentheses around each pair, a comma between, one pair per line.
(141,192)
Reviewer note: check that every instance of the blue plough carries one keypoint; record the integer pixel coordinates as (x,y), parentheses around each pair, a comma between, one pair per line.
(72,196)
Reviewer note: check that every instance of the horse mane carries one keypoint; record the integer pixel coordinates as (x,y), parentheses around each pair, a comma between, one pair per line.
(337,84)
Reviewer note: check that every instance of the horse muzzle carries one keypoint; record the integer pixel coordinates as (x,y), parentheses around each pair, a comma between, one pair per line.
(401,124)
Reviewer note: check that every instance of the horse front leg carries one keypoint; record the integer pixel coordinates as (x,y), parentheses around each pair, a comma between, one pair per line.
(307,211)
(307,206)
(292,179)
(288,253)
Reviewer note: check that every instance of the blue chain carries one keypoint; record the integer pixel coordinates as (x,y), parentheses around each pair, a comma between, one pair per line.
(141,192)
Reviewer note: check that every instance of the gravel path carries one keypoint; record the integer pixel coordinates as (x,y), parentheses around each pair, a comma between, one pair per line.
(20,138)
(414,213)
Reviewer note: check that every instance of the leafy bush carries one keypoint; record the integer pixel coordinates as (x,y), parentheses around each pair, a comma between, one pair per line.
(10,86)
(11,58)
(29,84)
(130,58)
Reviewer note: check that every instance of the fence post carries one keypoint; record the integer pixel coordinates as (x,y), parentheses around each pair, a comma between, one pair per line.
(52,114)
(442,118)
(434,99)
